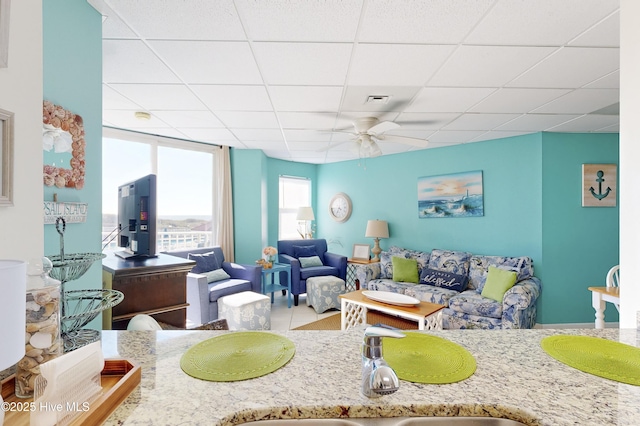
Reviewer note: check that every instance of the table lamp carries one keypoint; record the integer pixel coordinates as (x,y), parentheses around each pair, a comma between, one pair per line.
(13,291)
(377,229)
(305,214)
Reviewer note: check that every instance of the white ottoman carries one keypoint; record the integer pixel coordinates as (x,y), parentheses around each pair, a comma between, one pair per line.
(323,292)
(246,311)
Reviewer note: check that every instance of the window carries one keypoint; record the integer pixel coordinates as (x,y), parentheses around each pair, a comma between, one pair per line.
(184,190)
(293,192)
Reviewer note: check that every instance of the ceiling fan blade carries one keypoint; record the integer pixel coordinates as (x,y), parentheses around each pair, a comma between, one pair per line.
(420,143)
(382,127)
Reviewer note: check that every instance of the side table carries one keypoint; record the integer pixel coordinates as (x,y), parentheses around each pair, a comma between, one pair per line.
(272,287)
(352,282)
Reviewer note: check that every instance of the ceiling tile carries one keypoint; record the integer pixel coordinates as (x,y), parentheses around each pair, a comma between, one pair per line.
(535,122)
(218,62)
(113,27)
(425,120)
(248,120)
(605,34)
(571,67)
(307,120)
(306,146)
(195,20)
(449,99)
(233,98)
(114,100)
(419,21)
(160,96)
(517,100)
(306,98)
(160,131)
(610,81)
(273,145)
(182,118)
(300,20)
(539,22)
(307,135)
(581,101)
(355,98)
(318,64)
(487,66)
(498,134)
(131,61)
(484,122)
(388,64)
(222,136)
(126,119)
(454,136)
(258,134)
(589,122)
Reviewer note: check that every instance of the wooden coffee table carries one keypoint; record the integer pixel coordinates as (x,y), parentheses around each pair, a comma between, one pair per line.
(354,307)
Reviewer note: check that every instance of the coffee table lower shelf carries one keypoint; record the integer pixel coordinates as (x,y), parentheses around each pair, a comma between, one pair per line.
(119,378)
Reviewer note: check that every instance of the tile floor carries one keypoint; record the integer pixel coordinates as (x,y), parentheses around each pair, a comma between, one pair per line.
(283,318)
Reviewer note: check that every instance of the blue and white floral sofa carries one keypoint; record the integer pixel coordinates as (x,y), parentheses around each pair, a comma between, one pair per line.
(466,309)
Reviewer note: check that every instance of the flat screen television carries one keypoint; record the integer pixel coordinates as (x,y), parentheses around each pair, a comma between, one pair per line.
(137,218)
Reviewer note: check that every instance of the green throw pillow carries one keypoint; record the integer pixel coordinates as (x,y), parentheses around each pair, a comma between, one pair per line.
(306,262)
(498,282)
(405,270)
(217,275)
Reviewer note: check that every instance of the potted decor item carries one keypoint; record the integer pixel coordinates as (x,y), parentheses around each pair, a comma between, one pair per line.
(270,256)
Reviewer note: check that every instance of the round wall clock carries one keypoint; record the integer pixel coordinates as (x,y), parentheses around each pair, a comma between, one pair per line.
(340,207)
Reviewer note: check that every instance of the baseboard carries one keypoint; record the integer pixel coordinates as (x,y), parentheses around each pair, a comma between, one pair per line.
(577,325)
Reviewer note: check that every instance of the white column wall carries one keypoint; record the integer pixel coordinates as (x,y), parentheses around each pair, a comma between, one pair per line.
(629,163)
(21,226)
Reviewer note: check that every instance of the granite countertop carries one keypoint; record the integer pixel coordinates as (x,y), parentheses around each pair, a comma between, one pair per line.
(514,379)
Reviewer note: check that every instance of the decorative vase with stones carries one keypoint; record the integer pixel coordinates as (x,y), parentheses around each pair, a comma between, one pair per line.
(42,335)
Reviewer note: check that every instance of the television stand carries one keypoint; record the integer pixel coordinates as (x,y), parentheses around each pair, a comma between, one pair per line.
(155,286)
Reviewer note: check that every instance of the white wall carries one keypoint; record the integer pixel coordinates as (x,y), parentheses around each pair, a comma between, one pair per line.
(629,163)
(21,229)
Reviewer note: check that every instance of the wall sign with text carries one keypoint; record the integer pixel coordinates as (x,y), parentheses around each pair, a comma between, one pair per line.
(71,212)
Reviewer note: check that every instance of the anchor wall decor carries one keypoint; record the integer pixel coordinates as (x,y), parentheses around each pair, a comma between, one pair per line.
(599,185)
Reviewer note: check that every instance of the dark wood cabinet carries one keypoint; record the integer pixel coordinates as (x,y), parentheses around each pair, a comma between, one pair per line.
(154,286)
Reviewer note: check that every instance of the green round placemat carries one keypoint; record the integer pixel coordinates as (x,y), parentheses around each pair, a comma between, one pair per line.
(423,358)
(237,356)
(597,356)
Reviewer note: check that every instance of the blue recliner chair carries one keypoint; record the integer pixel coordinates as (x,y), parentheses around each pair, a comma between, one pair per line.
(289,251)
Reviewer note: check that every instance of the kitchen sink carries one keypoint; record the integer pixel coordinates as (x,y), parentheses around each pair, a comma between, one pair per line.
(395,421)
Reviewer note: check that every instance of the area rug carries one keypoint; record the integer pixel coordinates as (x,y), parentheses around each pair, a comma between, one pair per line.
(237,356)
(333,322)
(594,355)
(424,358)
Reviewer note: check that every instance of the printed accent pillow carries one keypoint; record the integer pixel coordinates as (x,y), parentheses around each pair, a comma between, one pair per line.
(304,251)
(456,262)
(204,262)
(217,275)
(306,262)
(444,279)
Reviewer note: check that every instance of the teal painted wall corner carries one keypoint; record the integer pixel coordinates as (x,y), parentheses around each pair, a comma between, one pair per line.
(72,65)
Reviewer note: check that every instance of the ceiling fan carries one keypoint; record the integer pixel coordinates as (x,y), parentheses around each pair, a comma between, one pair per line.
(369,130)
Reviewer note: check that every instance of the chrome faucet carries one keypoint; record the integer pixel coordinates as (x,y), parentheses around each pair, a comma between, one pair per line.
(378,378)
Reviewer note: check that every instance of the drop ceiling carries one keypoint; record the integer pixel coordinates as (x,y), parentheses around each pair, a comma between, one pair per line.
(275,75)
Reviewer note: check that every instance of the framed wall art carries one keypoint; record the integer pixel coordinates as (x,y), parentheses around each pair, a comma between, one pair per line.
(599,185)
(4,33)
(451,195)
(6,158)
(64,145)
(361,252)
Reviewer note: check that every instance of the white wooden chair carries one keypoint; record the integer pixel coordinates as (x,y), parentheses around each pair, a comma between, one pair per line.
(613,280)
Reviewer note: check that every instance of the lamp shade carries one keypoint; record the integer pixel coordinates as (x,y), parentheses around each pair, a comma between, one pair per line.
(305,213)
(13,291)
(377,229)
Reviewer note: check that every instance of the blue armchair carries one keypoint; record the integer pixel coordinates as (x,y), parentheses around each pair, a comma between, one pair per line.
(203,296)
(289,251)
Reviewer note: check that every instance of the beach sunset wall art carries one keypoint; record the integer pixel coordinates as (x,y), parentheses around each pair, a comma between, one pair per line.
(452,195)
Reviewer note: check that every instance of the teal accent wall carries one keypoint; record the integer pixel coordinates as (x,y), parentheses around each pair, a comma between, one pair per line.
(386,188)
(72,69)
(580,244)
(255,199)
